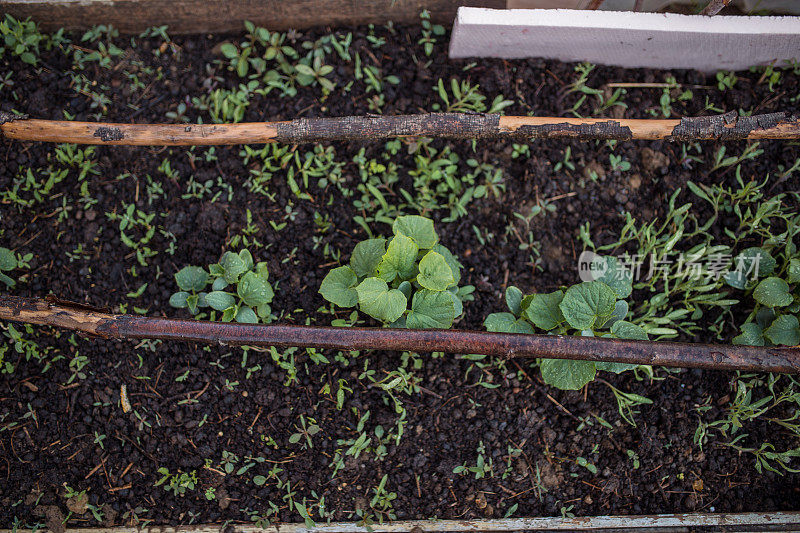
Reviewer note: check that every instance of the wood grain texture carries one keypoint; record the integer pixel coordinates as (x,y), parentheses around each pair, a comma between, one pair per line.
(203,16)
(764,521)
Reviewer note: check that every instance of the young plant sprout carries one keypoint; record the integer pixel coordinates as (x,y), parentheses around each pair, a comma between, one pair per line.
(776,291)
(386,275)
(240,289)
(591,308)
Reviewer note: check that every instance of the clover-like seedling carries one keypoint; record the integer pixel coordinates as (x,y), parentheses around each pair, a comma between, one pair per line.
(384,276)
(591,308)
(8,262)
(239,289)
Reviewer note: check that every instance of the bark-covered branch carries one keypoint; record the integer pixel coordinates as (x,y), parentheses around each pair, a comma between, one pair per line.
(729,126)
(508,345)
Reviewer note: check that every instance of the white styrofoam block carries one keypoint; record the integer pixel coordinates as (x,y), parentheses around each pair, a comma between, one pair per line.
(783,7)
(626,39)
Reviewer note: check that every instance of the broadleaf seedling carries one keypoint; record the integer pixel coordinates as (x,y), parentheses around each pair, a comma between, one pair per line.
(240,289)
(384,276)
(590,308)
(776,291)
(8,262)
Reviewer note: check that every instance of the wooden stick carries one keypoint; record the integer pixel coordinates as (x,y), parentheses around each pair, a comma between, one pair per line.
(507,345)
(729,126)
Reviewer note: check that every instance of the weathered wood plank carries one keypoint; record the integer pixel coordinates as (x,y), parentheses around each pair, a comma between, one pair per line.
(203,16)
(767,521)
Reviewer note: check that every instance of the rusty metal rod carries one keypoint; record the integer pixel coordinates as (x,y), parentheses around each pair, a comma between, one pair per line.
(508,345)
(729,126)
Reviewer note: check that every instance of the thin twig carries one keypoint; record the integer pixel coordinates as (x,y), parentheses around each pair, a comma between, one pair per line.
(507,345)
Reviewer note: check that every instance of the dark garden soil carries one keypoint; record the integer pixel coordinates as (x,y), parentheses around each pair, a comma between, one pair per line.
(193,404)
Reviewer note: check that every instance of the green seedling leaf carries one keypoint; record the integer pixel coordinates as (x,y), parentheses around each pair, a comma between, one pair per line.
(773,292)
(616,368)
(434,272)
(233,266)
(229,314)
(751,335)
(179,300)
(794,271)
(431,309)
(254,290)
(458,306)
(452,262)
(586,304)
(7,259)
(191,303)
(375,299)
(784,330)
(219,284)
(406,288)
(514,300)
(620,312)
(543,310)
(220,300)
(567,375)
(367,256)
(420,229)
(245,315)
(228,50)
(750,264)
(191,278)
(263,311)
(765,316)
(247,259)
(262,269)
(400,259)
(507,323)
(339,287)
(628,330)
(618,277)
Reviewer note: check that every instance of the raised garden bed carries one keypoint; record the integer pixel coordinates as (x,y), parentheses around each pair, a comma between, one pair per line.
(227,432)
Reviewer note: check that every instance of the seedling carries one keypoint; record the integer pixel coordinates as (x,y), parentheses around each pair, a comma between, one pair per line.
(384,275)
(9,262)
(773,320)
(428,31)
(591,308)
(382,500)
(726,80)
(482,468)
(305,430)
(466,98)
(250,291)
(21,38)
(179,483)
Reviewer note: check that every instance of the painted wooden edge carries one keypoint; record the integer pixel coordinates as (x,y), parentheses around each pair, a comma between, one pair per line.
(203,16)
(768,521)
(627,39)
